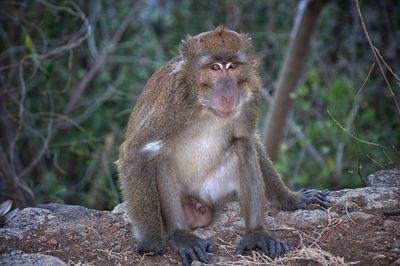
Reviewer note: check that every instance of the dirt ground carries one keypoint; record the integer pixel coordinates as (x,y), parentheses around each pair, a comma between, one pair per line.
(368,239)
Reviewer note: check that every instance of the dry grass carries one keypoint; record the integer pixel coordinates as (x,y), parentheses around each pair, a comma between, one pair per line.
(312,253)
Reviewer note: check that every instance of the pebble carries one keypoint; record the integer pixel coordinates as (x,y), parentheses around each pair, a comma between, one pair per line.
(379,257)
(52,241)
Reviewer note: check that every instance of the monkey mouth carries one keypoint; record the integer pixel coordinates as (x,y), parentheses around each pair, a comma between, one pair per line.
(223,113)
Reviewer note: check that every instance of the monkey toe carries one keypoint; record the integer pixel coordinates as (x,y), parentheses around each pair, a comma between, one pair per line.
(316,196)
(152,249)
(191,247)
(309,196)
(270,246)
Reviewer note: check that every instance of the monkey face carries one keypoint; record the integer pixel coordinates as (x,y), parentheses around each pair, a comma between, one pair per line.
(223,65)
(218,87)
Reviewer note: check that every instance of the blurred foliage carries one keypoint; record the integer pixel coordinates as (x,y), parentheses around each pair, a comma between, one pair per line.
(77,167)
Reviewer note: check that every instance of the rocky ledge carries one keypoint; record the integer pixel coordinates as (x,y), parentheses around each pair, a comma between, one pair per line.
(362,227)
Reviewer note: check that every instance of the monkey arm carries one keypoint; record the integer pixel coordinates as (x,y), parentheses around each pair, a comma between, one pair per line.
(280,195)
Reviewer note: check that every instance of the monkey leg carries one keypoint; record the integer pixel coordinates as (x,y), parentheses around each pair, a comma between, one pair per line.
(252,203)
(197,213)
(189,246)
(138,185)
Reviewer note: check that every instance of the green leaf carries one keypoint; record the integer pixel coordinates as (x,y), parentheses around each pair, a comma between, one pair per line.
(29,44)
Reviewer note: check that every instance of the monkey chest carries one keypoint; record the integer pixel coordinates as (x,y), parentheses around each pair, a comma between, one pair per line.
(206,166)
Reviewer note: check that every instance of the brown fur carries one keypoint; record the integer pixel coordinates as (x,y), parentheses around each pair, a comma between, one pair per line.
(190,150)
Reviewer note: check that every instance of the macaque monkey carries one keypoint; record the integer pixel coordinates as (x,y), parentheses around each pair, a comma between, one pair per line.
(191,146)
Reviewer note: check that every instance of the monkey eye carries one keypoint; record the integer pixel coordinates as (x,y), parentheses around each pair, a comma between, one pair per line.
(216,66)
(232,65)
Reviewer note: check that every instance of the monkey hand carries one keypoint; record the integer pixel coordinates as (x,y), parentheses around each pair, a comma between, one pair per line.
(306,197)
(190,247)
(151,247)
(271,247)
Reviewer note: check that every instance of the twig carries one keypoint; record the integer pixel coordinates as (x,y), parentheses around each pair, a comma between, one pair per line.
(347,213)
(350,124)
(354,137)
(376,58)
(72,43)
(375,161)
(99,61)
(381,57)
(42,151)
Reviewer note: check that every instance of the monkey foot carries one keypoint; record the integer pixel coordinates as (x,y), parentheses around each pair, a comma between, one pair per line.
(271,247)
(309,196)
(190,247)
(146,247)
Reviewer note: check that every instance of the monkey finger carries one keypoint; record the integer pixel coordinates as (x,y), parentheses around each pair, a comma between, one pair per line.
(282,248)
(264,248)
(313,192)
(245,244)
(321,195)
(192,255)
(286,248)
(185,260)
(308,190)
(211,247)
(239,250)
(271,248)
(312,198)
(201,254)
(279,247)
(323,198)
(207,245)
(323,203)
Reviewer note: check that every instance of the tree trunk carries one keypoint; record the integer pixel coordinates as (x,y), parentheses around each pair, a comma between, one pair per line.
(303,28)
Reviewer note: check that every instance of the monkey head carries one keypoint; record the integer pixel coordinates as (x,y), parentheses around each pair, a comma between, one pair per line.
(221,67)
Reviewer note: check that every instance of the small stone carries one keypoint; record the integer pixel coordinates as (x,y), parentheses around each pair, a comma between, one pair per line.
(196,263)
(358,215)
(379,257)
(52,242)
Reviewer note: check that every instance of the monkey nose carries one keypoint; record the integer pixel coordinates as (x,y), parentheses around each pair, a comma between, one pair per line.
(228,102)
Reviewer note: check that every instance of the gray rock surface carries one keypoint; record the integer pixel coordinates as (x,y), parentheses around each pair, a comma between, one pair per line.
(22,259)
(384,178)
(25,221)
(352,206)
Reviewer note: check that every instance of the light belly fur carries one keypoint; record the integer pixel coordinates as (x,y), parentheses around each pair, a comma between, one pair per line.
(205,165)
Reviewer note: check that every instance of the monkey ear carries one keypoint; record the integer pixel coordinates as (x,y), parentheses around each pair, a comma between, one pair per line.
(185,45)
(246,37)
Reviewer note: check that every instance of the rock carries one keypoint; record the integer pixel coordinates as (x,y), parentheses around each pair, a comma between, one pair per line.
(367,198)
(25,221)
(304,217)
(357,216)
(379,257)
(54,234)
(21,259)
(120,209)
(384,178)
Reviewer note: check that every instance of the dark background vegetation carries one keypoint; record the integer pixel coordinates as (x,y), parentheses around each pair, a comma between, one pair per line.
(70,72)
